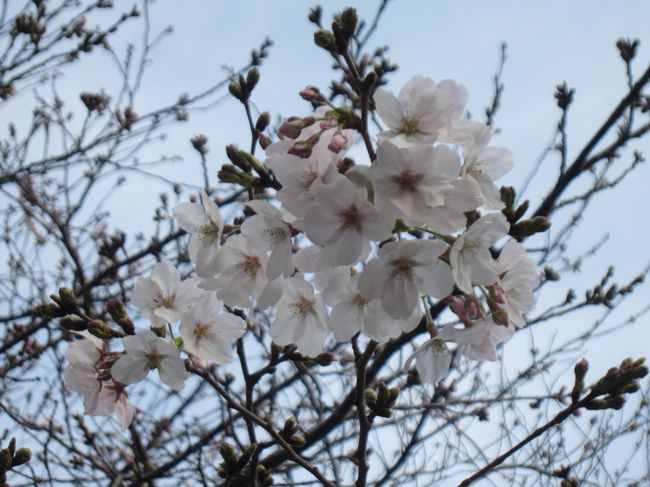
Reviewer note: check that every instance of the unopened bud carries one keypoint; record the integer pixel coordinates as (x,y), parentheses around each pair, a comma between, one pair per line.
(99,329)
(508,196)
(290,426)
(229,454)
(312,94)
(349,20)
(119,315)
(252,78)
(497,293)
(237,157)
(235,90)
(22,456)
(291,127)
(265,141)
(500,316)
(68,299)
(48,310)
(300,149)
(325,39)
(199,143)
(580,371)
(338,143)
(263,121)
(297,440)
(72,323)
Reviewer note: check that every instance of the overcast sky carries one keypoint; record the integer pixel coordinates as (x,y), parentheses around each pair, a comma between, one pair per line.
(547,44)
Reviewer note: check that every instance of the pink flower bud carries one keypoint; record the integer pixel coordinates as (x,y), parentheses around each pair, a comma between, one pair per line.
(338,142)
(301,149)
(457,305)
(329,123)
(497,293)
(313,94)
(291,127)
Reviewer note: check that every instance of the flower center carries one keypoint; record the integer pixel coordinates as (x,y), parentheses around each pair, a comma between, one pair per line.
(407,181)
(153,360)
(403,268)
(360,301)
(350,218)
(302,307)
(410,126)
(274,235)
(201,330)
(308,178)
(168,301)
(209,231)
(250,265)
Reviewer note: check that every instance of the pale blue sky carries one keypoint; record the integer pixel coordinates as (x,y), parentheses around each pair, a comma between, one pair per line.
(548,43)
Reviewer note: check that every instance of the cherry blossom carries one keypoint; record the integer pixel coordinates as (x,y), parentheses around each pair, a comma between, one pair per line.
(267,230)
(483,166)
(432,360)
(409,180)
(422,111)
(146,351)
(101,398)
(208,333)
(343,221)
(402,271)
(241,273)
(163,297)
(204,223)
(519,278)
(470,256)
(301,317)
(479,341)
(353,312)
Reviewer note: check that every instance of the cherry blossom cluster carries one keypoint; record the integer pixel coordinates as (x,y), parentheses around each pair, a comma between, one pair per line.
(340,249)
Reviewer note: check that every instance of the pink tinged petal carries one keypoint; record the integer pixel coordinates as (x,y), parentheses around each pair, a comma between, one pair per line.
(464,336)
(84,351)
(496,162)
(491,194)
(372,278)
(101,403)
(310,259)
(207,263)
(399,296)
(312,341)
(130,369)
(124,411)
(436,279)
(345,320)
(173,373)
(271,294)
(319,226)
(388,108)
(138,344)
(280,260)
(169,315)
(190,216)
(81,377)
(432,361)
(484,269)
(379,325)
(145,292)
(345,250)
(511,254)
(166,276)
